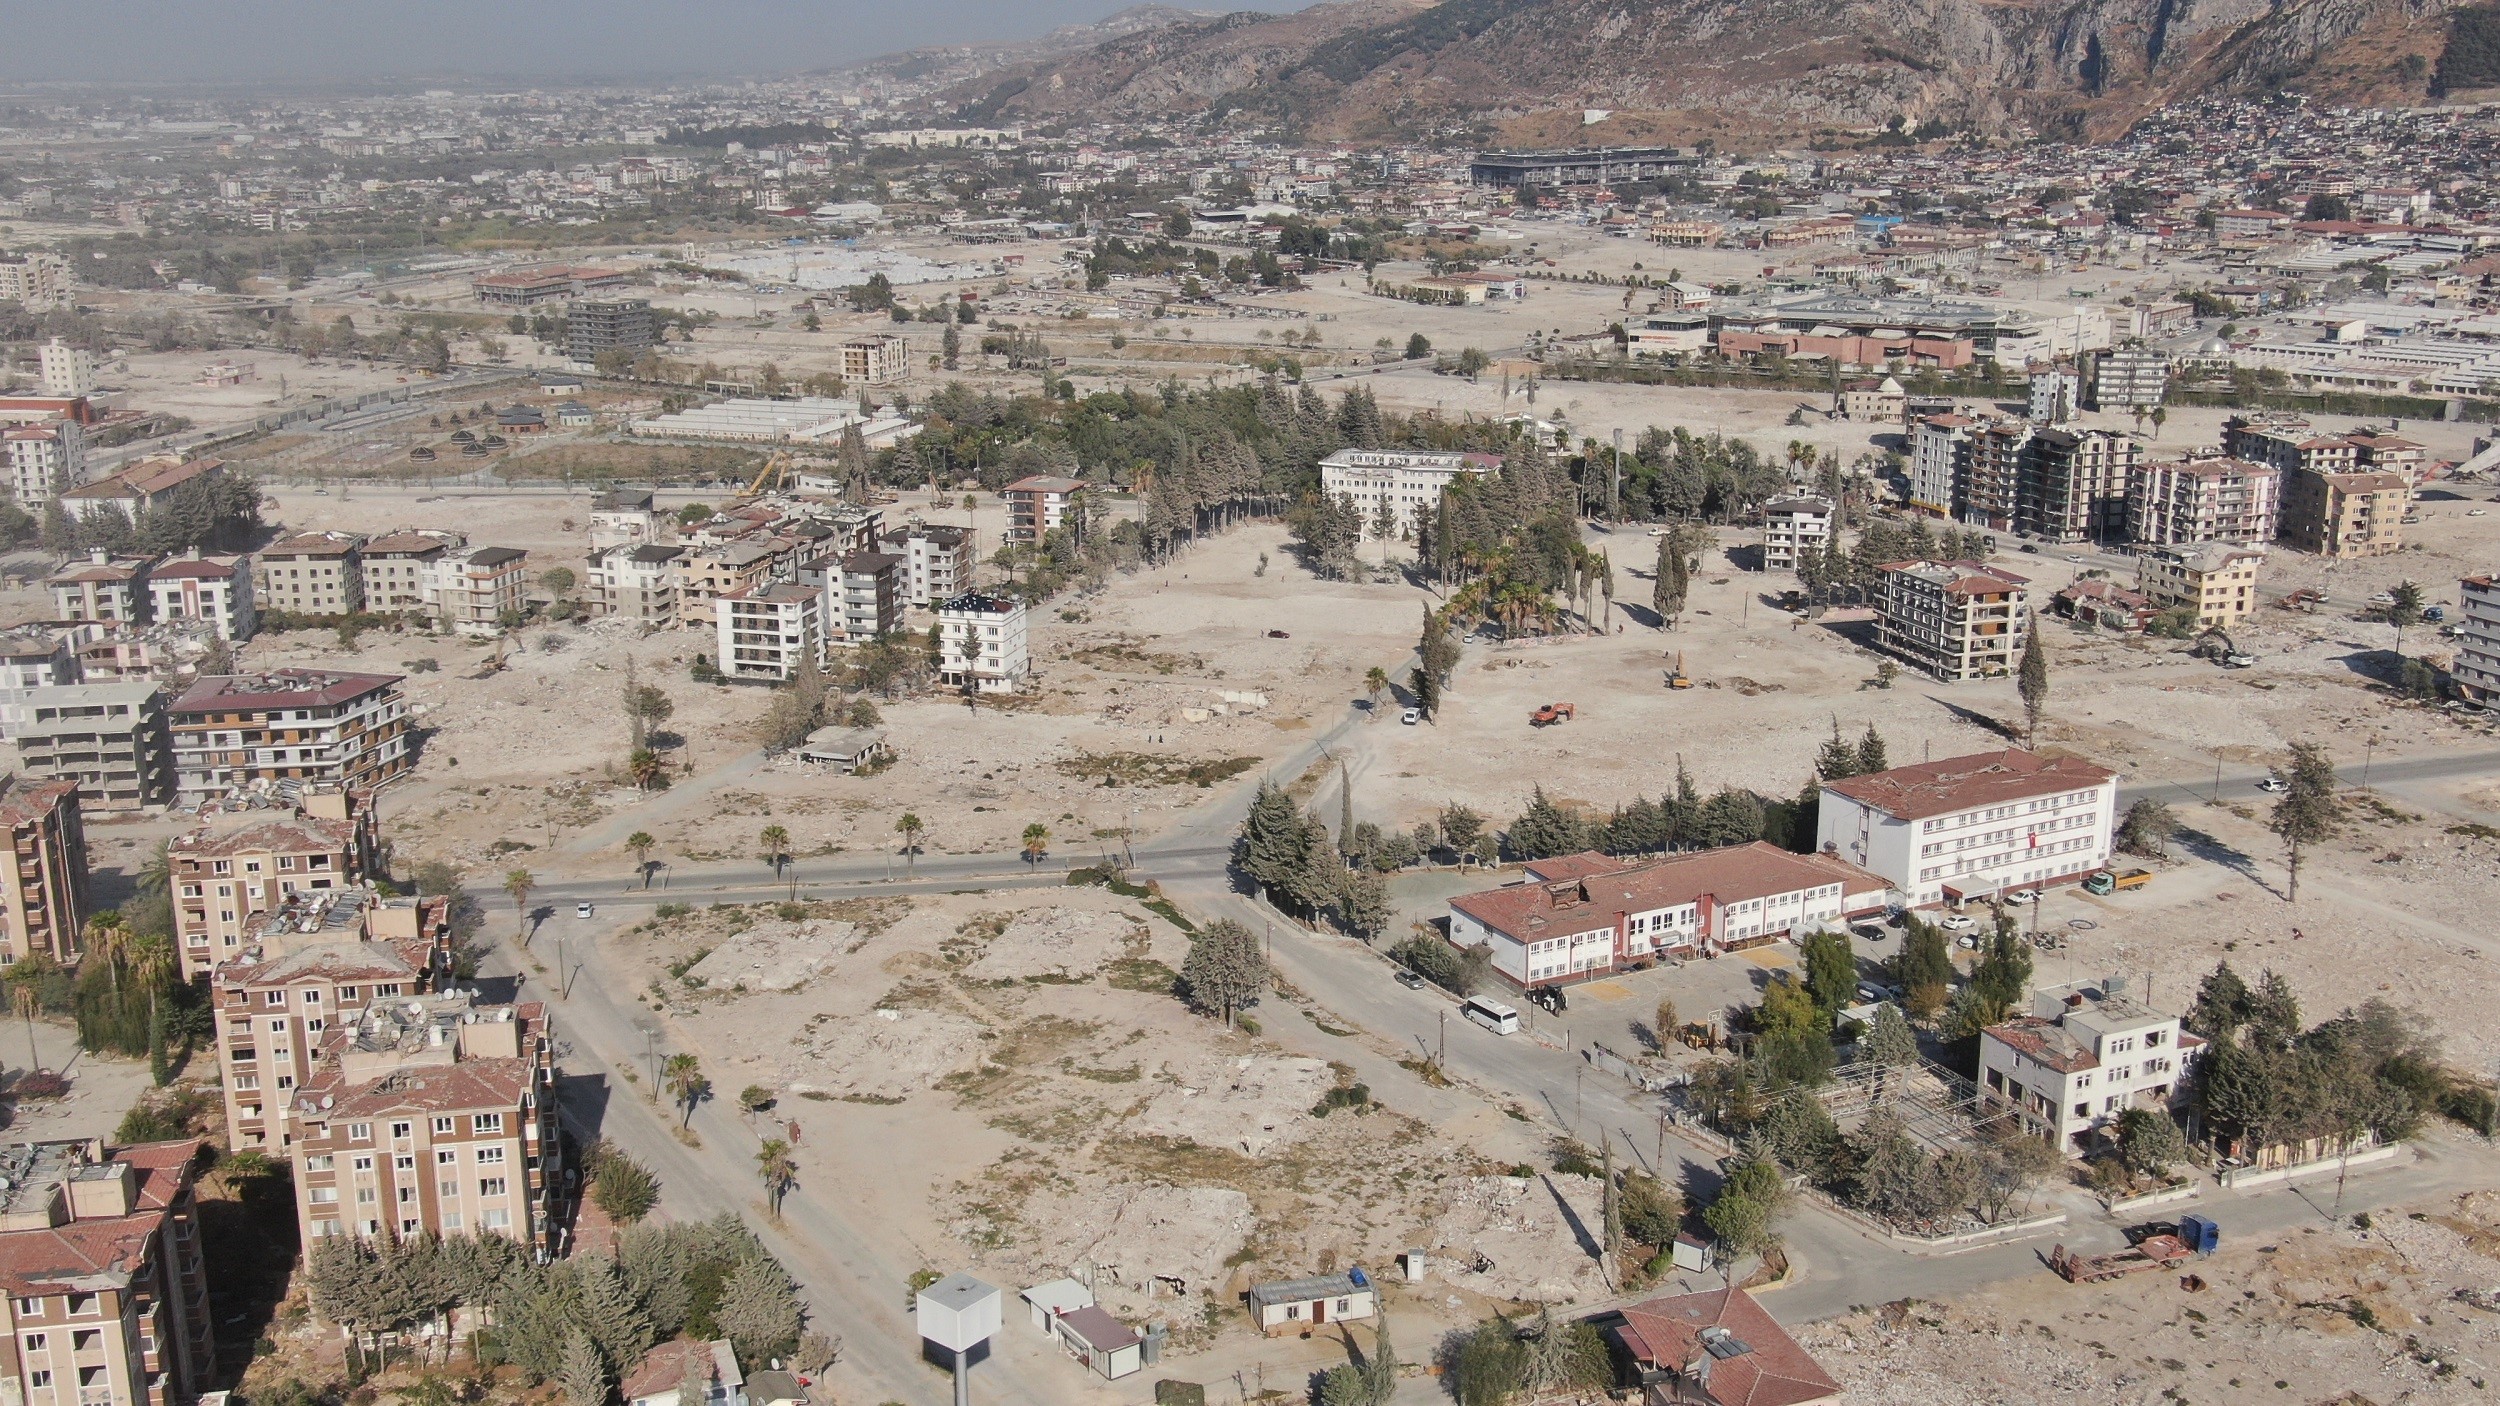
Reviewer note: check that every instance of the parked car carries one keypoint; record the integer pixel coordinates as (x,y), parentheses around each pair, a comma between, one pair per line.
(1408,978)
(2023,896)
(2477,512)
(2274,784)
(1867,932)
(1957,922)
(1411,716)
(2434,613)
(581,910)
(1872,991)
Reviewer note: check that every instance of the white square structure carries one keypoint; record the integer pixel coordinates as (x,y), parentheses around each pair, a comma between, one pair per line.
(959,1312)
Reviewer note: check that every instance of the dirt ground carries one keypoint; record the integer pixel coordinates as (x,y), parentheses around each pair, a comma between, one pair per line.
(1019,1087)
(2399,1309)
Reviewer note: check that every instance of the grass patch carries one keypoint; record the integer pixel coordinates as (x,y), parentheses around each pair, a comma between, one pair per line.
(1185,1162)
(1141,974)
(1128,1074)
(1145,769)
(1113,656)
(2472,831)
(881,1100)
(1324,1027)
(1104,876)
(1427,1070)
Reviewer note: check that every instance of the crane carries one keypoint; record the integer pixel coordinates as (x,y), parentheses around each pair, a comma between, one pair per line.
(776,471)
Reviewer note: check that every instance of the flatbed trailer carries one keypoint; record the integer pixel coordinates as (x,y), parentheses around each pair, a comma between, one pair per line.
(2153,1252)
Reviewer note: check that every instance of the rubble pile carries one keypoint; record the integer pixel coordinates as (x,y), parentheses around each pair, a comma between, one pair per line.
(1052,943)
(773,956)
(1250,1104)
(883,1055)
(1530,1238)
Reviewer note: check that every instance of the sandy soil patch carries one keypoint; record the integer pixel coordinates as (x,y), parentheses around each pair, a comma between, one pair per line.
(774,956)
(1249,1104)
(1055,943)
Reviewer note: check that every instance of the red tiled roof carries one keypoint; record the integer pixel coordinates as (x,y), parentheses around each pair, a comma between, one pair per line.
(1966,783)
(111,1249)
(663,1368)
(1535,911)
(1772,1370)
(279,688)
(2045,1042)
(23,802)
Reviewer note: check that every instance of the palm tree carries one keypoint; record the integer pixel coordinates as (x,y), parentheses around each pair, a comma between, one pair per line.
(109,940)
(641,843)
(1375,684)
(156,877)
(683,1076)
(518,883)
(151,959)
(22,996)
(775,842)
(774,1164)
(1036,843)
(909,827)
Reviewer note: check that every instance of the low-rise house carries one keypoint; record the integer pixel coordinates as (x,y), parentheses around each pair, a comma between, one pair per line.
(103,1292)
(1296,1305)
(102,587)
(2086,1053)
(638,583)
(662,1376)
(1871,402)
(110,738)
(1956,620)
(2217,581)
(1104,1343)
(144,487)
(2105,604)
(845,749)
(43,887)
(1716,1348)
(215,589)
(982,644)
(1961,828)
(1584,916)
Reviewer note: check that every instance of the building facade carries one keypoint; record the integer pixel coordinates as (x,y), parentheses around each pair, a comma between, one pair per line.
(45,460)
(2344,515)
(764,633)
(38,278)
(110,738)
(2185,502)
(398,570)
(2084,1055)
(43,896)
(982,644)
(1794,529)
(311,573)
(102,587)
(103,1292)
(300,726)
(1586,915)
(480,590)
(1038,506)
(1391,488)
(937,562)
(625,517)
(214,589)
(638,583)
(1968,827)
(1957,620)
(625,327)
(878,360)
(2217,581)
(2073,484)
(863,598)
(2477,666)
(238,864)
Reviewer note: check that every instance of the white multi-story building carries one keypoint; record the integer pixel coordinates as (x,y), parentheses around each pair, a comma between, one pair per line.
(101,587)
(1939,456)
(1968,827)
(44,459)
(2056,394)
(1583,915)
(2087,1053)
(766,631)
(217,589)
(2477,667)
(1395,485)
(2202,499)
(1793,529)
(982,644)
(638,583)
(66,370)
(1955,619)
(937,562)
(37,278)
(625,517)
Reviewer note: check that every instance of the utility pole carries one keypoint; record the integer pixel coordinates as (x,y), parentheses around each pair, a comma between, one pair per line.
(1614,490)
(1441,1060)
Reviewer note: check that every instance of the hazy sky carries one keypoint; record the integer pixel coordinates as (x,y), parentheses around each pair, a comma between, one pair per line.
(312,40)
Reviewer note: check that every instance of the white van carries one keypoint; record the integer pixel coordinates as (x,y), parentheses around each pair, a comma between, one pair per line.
(1492,1015)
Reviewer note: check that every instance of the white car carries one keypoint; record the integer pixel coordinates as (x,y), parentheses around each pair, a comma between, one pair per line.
(2022,896)
(581,910)
(2477,512)
(1411,716)
(1956,922)
(2275,784)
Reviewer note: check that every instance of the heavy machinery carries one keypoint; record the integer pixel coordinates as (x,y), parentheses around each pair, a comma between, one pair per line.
(1553,713)
(2152,1252)
(1676,677)
(772,477)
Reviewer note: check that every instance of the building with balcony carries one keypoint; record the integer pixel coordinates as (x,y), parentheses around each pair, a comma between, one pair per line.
(623,327)
(982,644)
(237,864)
(1794,529)
(2343,515)
(310,964)
(2216,580)
(311,573)
(880,359)
(1957,620)
(43,893)
(2085,1054)
(937,561)
(625,517)
(215,589)
(2477,666)
(863,597)
(638,583)
(103,1292)
(2185,502)
(1969,827)
(766,632)
(289,729)
(398,570)
(430,1114)
(479,590)
(1040,505)
(102,587)
(110,738)
(44,460)
(2072,484)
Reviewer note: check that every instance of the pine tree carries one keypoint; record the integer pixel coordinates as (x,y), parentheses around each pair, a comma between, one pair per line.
(1838,759)
(611,1312)
(1889,1041)
(1225,970)
(1274,844)
(580,1372)
(759,1310)
(1667,593)
(2309,810)
(2033,683)
(1381,1372)
(1871,753)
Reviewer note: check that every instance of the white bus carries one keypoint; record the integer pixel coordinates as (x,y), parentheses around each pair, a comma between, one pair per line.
(1491,1014)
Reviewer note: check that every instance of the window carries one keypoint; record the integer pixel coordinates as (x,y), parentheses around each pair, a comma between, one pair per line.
(322,1195)
(1293,1310)
(1344,1306)
(365,1196)
(489,1123)
(85,1340)
(494,1220)
(401,1130)
(404,1162)
(347,993)
(81,1303)
(42,1380)
(446,1157)
(35,1341)
(411,1226)
(2083,1110)
(490,1186)
(273,998)
(451,1220)
(448,1190)
(407,1195)
(312,998)
(364,1165)
(490,1156)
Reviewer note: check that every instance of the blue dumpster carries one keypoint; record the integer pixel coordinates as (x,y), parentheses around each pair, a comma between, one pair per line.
(2200,1234)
